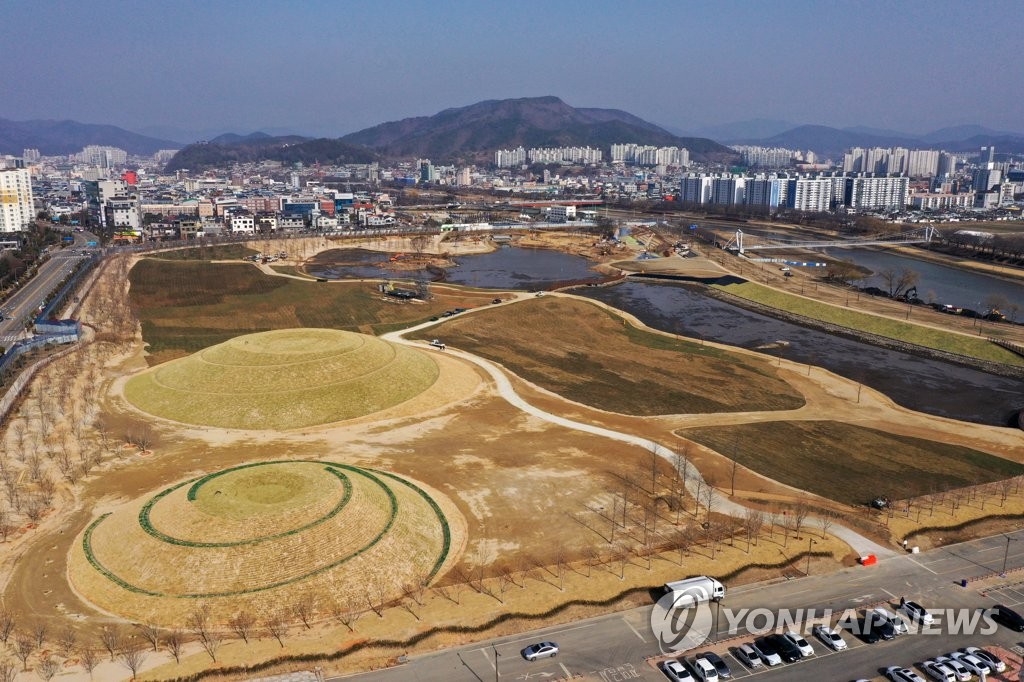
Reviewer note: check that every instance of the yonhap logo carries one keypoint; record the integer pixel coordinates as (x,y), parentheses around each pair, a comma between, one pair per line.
(682,620)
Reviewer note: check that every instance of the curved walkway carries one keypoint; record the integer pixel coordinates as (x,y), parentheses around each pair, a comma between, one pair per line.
(861,544)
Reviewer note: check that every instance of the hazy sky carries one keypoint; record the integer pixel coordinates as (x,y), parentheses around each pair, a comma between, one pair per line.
(335,67)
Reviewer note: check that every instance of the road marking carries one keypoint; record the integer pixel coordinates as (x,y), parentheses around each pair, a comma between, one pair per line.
(923,566)
(537,637)
(887,592)
(630,626)
(488,659)
(564,669)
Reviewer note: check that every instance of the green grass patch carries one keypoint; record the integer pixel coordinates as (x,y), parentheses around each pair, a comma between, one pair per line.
(185,306)
(851,464)
(929,337)
(215,252)
(588,354)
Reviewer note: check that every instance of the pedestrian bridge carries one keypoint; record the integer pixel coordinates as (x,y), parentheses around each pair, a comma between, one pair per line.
(754,242)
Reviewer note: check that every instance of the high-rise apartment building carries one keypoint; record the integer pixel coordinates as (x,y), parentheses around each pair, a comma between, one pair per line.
(809,194)
(509,158)
(17,205)
(873,192)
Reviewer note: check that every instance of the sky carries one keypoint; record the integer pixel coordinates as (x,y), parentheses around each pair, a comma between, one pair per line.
(333,67)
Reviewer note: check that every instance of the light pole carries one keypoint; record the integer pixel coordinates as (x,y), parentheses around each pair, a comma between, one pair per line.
(1006,555)
(810,542)
(496,657)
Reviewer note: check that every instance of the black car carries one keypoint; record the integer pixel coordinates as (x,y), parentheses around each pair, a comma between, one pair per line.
(721,667)
(878,627)
(789,652)
(1007,617)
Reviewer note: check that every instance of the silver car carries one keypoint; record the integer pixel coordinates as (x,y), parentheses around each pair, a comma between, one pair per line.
(540,650)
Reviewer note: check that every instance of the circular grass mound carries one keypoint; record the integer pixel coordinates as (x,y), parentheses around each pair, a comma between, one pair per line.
(258,535)
(285,379)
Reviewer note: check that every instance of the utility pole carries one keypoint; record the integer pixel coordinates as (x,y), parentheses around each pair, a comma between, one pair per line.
(496,657)
(1006,555)
(810,541)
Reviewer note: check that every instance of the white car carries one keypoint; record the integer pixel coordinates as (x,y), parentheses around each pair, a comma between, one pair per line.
(916,613)
(540,650)
(898,674)
(962,673)
(991,660)
(800,643)
(830,637)
(938,672)
(770,657)
(898,624)
(972,663)
(704,670)
(675,671)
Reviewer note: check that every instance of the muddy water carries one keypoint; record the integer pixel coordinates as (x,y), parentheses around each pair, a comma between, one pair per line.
(505,268)
(921,384)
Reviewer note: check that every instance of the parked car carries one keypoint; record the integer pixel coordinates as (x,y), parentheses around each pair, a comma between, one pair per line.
(789,652)
(748,656)
(899,626)
(830,637)
(916,613)
(1007,617)
(675,671)
(938,672)
(720,665)
(497,300)
(703,670)
(990,658)
(800,643)
(876,627)
(540,650)
(972,663)
(898,674)
(962,673)
(768,650)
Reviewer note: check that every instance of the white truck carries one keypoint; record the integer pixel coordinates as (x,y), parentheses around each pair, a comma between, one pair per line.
(438,344)
(693,591)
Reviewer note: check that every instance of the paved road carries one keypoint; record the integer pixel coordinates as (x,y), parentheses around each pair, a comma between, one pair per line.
(618,646)
(23,306)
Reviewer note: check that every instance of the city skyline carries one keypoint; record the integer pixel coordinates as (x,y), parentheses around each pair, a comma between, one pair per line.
(330,69)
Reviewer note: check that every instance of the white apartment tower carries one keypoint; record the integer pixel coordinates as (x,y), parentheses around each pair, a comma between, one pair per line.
(17,205)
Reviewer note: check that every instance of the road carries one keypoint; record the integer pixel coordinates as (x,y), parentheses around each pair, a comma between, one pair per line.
(618,646)
(23,306)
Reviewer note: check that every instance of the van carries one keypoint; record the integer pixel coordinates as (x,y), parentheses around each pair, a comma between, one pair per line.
(704,671)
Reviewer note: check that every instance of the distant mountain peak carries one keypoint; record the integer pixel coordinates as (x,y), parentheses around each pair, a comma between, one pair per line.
(53,137)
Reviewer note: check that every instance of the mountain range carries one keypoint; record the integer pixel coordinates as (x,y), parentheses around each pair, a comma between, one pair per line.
(69,137)
(229,148)
(474,132)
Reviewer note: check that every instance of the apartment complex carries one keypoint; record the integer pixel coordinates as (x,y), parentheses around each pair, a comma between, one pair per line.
(17,205)
(915,163)
(801,193)
(649,155)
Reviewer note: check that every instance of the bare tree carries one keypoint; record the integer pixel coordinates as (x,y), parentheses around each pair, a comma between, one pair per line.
(242,624)
(47,667)
(173,642)
(347,614)
(198,620)
(66,641)
(828,519)
(6,525)
(211,642)
(8,671)
(24,646)
(452,593)
(798,518)
(304,608)
(276,627)
(132,658)
(6,625)
(753,522)
(110,638)
(150,633)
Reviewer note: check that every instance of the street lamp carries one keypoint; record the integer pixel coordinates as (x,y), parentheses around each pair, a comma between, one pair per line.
(810,542)
(496,657)
(1006,555)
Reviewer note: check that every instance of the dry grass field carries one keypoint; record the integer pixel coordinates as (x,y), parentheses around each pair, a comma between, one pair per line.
(584,353)
(256,536)
(185,306)
(284,379)
(849,463)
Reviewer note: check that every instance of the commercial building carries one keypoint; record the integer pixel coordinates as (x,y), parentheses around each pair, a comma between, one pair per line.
(17,205)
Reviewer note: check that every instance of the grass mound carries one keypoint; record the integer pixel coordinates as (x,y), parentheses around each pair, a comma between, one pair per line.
(260,534)
(283,379)
(852,464)
(587,354)
(211,252)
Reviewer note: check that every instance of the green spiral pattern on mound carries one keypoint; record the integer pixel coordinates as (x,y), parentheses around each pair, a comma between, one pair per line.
(335,469)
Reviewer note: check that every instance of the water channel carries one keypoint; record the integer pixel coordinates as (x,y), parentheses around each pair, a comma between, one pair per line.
(936,283)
